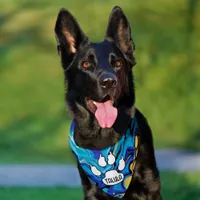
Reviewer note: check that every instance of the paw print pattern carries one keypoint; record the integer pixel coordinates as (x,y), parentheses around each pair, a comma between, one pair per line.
(111,176)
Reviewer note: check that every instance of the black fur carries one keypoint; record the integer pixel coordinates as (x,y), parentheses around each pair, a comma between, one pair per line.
(83,84)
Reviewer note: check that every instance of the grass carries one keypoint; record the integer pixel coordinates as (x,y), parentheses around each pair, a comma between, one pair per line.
(174,186)
(33,121)
(40,193)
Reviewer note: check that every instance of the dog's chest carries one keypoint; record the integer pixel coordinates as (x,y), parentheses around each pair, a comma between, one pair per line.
(110,169)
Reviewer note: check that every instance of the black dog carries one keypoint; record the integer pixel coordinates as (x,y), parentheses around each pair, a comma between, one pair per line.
(100,95)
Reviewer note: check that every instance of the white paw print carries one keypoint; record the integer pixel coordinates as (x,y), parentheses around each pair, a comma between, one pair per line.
(112,177)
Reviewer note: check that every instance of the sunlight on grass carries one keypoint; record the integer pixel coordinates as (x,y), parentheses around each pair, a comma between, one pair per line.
(182,187)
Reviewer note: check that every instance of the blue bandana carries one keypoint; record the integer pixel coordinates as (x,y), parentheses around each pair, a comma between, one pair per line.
(110,169)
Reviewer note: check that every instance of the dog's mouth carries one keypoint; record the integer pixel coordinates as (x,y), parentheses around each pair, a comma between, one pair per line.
(92,105)
(104,111)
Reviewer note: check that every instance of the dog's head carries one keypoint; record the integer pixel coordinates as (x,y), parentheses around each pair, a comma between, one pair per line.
(98,75)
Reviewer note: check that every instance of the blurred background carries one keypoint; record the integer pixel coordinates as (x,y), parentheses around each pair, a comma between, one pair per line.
(34,123)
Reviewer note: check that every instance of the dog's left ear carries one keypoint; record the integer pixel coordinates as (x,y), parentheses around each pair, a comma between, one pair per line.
(119,31)
(69,36)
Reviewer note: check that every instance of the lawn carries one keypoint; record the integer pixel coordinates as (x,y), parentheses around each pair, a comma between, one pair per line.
(174,187)
(34,123)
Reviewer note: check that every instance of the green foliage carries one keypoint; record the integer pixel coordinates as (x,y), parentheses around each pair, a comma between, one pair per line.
(33,121)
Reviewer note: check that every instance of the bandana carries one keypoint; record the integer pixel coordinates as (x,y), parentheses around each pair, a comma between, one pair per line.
(110,169)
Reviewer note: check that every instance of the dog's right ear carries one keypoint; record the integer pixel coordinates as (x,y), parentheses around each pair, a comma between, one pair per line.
(69,36)
(119,31)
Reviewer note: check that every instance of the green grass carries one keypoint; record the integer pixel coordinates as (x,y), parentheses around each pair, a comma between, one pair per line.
(174,186)
(40,193)
(33,120)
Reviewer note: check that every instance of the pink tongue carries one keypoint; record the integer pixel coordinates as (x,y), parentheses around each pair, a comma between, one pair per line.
(106,114)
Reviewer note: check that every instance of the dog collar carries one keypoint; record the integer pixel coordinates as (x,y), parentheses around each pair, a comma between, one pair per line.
(110,169)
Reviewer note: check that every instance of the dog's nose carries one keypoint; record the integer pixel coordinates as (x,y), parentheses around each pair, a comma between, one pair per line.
(108,81)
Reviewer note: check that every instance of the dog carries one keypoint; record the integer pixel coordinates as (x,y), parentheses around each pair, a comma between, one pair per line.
(110,138)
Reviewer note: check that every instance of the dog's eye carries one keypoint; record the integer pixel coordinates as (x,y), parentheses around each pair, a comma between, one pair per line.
(85,64)
(118,64)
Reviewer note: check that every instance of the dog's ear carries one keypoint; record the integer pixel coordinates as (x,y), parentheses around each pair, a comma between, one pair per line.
(119,32)
(69,36)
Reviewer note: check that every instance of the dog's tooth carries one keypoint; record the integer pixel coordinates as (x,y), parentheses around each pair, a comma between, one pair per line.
(94,102)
